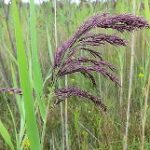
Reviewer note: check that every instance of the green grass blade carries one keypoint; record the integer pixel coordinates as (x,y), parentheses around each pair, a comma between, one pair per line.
(49,47)
(18,98)
(6,136)
(36,72)
(147,11)
(31,125)
(15,127)
(20,105)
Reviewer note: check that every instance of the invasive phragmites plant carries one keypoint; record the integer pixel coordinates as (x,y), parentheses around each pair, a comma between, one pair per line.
(67,62)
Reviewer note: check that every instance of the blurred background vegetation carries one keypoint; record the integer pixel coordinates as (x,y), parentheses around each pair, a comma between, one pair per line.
(80,124)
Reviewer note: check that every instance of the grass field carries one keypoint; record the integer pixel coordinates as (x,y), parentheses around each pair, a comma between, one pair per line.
(29,36)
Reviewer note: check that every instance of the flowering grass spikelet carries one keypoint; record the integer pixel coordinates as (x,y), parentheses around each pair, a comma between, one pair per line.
(73,91)
(121,23)
(66,60)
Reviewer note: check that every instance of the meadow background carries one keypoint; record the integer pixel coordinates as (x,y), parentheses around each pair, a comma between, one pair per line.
(29,35)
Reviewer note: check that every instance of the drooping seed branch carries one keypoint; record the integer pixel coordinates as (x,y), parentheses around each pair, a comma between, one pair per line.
(66,60)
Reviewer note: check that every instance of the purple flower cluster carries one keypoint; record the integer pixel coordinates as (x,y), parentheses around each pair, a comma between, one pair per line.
(76,65)
(121,23)
(67,62)
(98,39)
(72,91)
(11,90)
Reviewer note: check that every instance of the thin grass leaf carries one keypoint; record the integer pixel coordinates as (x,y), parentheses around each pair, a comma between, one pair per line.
(20,104)
(31,125)
(36,69)
(6,136)
(49,46)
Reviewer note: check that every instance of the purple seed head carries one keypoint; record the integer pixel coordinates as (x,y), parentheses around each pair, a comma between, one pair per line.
(11,90)
(123,22)
(64,93)
(67,62)
(102,39)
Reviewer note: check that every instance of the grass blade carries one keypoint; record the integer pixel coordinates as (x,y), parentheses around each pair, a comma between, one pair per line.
(31,125)
(6,136)
(36,72)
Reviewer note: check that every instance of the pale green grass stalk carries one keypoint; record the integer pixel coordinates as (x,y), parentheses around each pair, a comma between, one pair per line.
(9,53)
(31,125)
(129,92)
(19,101)
(66,118)
(48,109)
(51,91)
(44,124)
(20,104)
(147,10)
(49,46)
(144,109)
(88,131)
(6,12)
(120,8)
(144,113)
(6,136)
(53,141)
(131,73)
(147,14)
(36,70)
(62,127)
(55,23)
(14,126)
(121,55)
(76,124)
(3,71)
(67,10)
(56,45)
(50,51)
